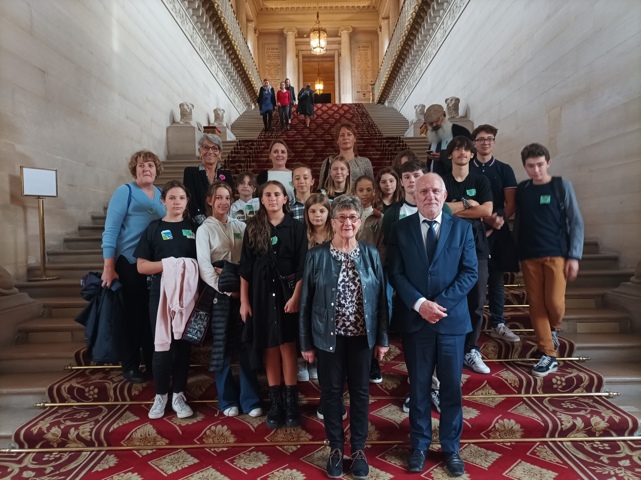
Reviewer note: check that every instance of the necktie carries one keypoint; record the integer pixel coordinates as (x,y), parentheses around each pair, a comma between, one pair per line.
(430,241)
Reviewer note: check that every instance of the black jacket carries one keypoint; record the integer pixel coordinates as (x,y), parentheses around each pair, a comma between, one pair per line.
(196,182)
(317,311)
(98,318)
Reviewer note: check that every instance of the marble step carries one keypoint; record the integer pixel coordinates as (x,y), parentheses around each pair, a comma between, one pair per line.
(90,230)
(98,219)
(38,357)
(595,320)
(82,243)
(52,288)
(51,330)
(74,271)
(87,255)
(599,261)
(624,378)
(586,297)
(63,306)
(13,417)
(25,389)
(602,347)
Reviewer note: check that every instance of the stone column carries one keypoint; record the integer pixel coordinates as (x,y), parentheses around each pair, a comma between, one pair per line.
(251,40)
(393,15)
(346,65)
(241,15)
(384,38)
(290,60)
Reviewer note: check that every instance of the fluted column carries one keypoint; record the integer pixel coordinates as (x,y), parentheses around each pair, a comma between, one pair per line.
(393,15)
(384,38)
(251,40)
(290,60)
(346,65)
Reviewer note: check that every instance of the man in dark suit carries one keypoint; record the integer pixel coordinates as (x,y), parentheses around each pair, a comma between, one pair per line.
(432,267)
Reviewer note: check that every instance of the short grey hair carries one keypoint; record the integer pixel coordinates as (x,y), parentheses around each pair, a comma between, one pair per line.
(215,139)
(346,202)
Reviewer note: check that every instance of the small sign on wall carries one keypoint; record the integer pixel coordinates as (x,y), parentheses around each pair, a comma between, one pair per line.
(39,182)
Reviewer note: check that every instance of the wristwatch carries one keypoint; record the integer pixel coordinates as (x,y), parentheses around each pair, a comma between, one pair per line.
(466,204)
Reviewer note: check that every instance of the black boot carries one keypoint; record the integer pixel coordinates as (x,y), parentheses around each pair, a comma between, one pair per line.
(292,414)
(276,414)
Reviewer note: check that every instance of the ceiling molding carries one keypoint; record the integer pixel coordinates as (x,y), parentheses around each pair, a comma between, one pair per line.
(273,6)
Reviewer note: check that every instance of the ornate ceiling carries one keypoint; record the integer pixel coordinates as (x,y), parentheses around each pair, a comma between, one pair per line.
(273,6)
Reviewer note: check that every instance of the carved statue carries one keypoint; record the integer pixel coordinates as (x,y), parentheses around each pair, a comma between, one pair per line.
(185,113)
(419,113)
(452,104)
(219,116)
(6,283)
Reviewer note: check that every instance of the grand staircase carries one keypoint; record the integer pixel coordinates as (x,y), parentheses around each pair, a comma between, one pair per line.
(44,345)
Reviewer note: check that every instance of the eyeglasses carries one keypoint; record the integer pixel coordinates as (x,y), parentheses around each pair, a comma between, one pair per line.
(485,140)
(210,148)
(351,218)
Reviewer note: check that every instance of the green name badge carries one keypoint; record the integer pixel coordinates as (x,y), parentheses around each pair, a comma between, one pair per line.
(274,240)
(545,199)
(238,236)
(471,192)
(189,234)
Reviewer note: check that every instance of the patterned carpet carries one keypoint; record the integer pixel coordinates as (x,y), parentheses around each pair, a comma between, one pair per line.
(310,146)
(256,452)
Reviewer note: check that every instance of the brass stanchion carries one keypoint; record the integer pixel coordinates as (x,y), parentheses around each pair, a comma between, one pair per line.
(532,360)
(109,448)
(43,253)
(308,400)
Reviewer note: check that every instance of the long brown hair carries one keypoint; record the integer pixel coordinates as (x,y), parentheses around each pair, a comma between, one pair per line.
(398,193)
(366,178)
(317,199)
(258,227)
(346,126)
(176,184)
(330,188)
(211,191)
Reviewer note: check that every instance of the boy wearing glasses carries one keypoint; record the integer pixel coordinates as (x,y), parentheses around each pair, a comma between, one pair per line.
(503,251)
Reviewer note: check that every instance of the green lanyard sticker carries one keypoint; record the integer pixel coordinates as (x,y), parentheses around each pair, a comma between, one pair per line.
(274,240)
(238,236)
(545,199)
(471,192)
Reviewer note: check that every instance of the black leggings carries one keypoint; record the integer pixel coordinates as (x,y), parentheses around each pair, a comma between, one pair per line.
(267,119)
(133,328)
(171,366)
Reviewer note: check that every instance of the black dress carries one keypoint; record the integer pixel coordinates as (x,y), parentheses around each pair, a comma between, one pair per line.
(197,183)
(270,325)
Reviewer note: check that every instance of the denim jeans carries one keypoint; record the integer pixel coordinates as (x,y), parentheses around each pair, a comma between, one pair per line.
(231,394)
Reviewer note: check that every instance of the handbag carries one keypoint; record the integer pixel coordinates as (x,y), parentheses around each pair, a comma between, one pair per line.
(229,278)
(198,323)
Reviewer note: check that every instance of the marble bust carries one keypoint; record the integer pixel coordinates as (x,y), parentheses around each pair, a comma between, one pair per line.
(452,104)
(219,116)
(6,283)
(419,113)
(185,113)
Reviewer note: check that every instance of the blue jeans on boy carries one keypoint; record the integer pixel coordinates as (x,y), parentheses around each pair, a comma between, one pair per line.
(228,390)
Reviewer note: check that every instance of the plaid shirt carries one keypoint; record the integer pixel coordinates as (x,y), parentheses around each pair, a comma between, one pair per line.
(298,210)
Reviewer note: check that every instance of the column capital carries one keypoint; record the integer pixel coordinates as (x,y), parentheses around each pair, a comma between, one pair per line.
(347,30)
(290,31)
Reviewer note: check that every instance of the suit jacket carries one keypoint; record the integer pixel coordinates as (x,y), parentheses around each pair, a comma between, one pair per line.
(446,280)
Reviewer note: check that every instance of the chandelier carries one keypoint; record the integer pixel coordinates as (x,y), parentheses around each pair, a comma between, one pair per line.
(318,37)
(318,85)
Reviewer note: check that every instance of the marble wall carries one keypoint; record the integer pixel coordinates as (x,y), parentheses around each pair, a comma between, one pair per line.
(82,86)
(564,73)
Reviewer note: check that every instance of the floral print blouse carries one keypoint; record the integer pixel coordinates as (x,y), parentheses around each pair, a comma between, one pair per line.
(350,314)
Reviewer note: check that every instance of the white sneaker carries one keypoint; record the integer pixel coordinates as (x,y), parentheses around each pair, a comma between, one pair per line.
(503,332)
(406,405)
(158,408)
(256,412)
(303,373)
(473,360)
(179,405)
(231,412)
(313,371)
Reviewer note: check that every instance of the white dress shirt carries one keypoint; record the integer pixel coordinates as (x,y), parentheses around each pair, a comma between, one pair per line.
(424,229)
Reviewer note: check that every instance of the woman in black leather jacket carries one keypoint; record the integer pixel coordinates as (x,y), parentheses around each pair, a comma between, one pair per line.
(343,316)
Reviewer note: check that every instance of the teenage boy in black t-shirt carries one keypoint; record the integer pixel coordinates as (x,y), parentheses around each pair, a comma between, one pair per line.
(503,251)
(470,196)
(549,235)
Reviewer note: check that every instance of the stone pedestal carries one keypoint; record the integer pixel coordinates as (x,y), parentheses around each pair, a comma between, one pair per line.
(414,130)
(627,297)
(225,133)
(14,310)
(181,142)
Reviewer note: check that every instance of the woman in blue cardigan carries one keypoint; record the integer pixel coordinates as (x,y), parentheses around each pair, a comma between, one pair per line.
(131,208)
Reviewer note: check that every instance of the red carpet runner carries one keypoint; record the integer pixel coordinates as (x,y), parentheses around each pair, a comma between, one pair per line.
(486,418)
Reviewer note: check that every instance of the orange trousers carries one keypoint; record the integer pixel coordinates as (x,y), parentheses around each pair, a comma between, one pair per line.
(545,287)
